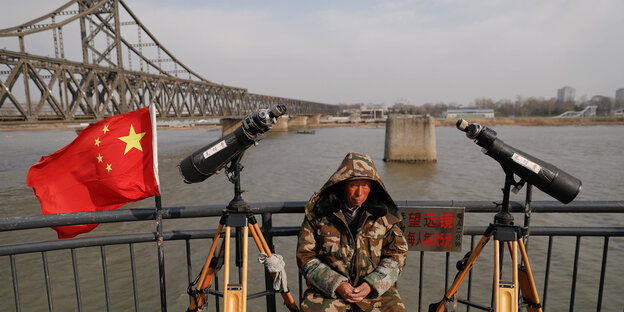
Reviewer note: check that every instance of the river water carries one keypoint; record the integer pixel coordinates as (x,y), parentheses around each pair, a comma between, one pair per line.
(290,167)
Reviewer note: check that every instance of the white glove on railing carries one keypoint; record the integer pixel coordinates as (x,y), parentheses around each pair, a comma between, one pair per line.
(275,264)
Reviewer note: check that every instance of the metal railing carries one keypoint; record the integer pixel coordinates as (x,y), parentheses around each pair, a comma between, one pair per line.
(266,210)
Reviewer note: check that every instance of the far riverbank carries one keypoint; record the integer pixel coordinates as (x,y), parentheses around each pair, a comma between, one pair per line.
(539,121)
(507,121)
(517,121)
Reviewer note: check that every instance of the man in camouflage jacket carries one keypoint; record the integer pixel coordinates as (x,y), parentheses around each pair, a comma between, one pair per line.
(352,269)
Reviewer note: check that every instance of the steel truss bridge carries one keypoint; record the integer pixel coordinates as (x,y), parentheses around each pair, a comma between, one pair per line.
(110,69)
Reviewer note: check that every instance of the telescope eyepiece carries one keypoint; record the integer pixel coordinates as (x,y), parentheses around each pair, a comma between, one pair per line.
(277,111)
(461,125)
(473,130)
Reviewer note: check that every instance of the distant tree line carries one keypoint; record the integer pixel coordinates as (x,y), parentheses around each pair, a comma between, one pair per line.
(521,107)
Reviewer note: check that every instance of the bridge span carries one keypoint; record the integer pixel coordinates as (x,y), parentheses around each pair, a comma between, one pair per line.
(113,70)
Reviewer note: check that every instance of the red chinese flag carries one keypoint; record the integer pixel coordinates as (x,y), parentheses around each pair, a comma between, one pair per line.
(111,163)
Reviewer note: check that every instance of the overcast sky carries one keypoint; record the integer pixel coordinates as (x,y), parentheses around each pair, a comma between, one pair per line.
(384,51)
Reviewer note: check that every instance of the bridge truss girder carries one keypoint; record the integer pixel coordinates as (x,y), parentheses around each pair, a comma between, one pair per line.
(64,91)
(36,88)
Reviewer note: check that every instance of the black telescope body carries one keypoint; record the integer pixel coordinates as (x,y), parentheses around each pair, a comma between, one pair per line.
(213,157)
(545,176)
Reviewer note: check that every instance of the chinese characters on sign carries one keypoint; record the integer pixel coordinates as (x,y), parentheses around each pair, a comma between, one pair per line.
(433,228)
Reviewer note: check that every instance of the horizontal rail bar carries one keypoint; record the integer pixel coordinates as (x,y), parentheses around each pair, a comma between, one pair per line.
(102,241)
(559,231)
(276,231)
(479,230)
(144,214)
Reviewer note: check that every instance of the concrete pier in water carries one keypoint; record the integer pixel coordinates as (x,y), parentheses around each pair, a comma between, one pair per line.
(298,123)
(314,120)
(281,125)
(410,138)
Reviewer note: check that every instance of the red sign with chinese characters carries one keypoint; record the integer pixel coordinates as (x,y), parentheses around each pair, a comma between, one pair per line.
(433,228)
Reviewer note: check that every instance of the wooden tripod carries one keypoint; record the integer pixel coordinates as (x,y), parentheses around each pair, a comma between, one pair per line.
(505,293)
(236,215)
(234,295)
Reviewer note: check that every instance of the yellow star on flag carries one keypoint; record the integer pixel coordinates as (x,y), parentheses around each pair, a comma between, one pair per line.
(105,129)
(99,158)
(108,168)
(132,140)
(97,141)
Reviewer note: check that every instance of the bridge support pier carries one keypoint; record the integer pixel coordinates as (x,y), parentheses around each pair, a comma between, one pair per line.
(281,125)
(410,138)
(298,123)
(314,120)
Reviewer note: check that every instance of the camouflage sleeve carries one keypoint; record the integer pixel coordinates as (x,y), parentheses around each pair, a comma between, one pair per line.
(324,278)
(392,263)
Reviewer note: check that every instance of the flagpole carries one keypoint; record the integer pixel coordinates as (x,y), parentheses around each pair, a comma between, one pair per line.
(159,236)
(161,255)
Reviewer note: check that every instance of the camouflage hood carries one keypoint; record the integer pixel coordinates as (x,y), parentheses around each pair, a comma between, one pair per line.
(354,166)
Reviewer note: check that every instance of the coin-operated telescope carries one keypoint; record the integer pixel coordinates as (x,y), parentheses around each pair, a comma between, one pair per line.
(545,176)
(213,157)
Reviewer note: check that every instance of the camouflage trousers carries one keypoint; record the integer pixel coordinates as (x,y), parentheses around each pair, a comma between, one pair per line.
(390,301)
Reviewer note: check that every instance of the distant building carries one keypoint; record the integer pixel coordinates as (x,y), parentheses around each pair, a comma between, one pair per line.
(373,112)
(469,113)
(619,98)
(566,94)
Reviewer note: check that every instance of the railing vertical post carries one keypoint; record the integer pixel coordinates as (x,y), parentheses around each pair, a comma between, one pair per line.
(472,242)
(76,279)
(575,272)
(189,268)
(420,280)
(15,288)
(216,297)
(46,274)
(135,289)
(105,275)
(548,256)
(602,272)
(267,226)
(446,270)
(161,256)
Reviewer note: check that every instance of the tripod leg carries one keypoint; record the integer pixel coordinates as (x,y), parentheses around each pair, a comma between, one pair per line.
(506,293)
(514,270)
(207,273)
(527,283)
(263,247)
(263,242)
(244,275)
(226,269)
(497,300)
(234,295)
(462,274)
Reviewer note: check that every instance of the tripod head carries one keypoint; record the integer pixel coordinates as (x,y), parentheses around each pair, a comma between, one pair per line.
(233,170)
